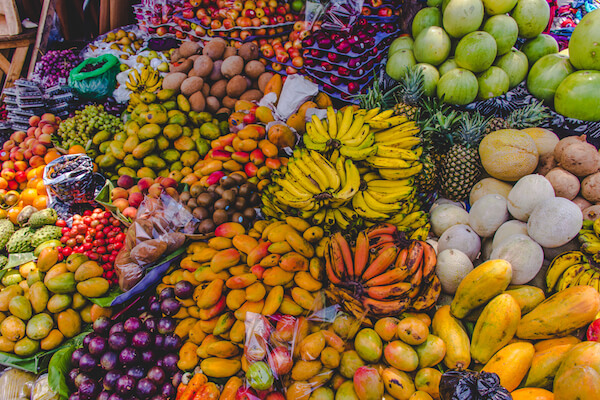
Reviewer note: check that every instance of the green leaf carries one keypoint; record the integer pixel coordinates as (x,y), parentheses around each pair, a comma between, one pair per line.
(18,259)
(167,258)
(60,365)
(103,198)
(106,300)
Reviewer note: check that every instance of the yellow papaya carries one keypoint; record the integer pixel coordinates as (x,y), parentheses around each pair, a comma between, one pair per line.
(220,368)
(544,366)
(528,297)
(511,364)
(451,331)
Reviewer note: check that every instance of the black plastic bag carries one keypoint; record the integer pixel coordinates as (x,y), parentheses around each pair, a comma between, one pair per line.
(471,385)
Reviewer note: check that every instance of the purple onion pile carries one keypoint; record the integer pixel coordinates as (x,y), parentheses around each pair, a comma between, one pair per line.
(53,68)
(131,359)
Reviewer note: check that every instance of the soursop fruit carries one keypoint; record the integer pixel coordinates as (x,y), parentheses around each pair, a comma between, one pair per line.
(6,231)
(45,233)
(3,260)
(20,241)
(47,216)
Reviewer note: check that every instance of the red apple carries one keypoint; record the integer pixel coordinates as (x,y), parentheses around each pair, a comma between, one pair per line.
(353,87)
(280,361)
(593,331)
(188,13)
(21,176)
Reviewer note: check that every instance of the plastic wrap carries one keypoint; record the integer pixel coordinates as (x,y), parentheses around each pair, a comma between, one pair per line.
(42,391)
(16,384)
(70,180)
(158,230)
(99,83)
(471,385)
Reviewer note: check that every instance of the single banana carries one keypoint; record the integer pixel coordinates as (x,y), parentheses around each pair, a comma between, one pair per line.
(383,115)
(400,173)
(404,143)
(394,152)
(356,130)
(396,133)
(332,121)
(352,182)
(347,122)
(385,162)
(307,183)
(362,209)
(403,193)
(328,169)
(340,220)
(371,114)
(348,213)
(358,154)
(381,184)
(340,169)
(310,144)
(329,217)
(318,124)
(377,205)
(317,175)
(319,216)
(371,177)
(314,135)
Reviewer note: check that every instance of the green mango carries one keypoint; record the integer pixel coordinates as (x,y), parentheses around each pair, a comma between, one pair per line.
(202,146)
(104,147)
(131,162)
(172,131)
(205,116)
(20,307)
(162,143)
(130,144)
(126,171)
(224,127)
(121,136)
(177,166)
(149,131)
(100,137)
(33,277)
(210,131)
(196,134)
(107,161)
(164,172)
(170,155)
(170,105)
(62,284)
(132,128)
(116,149)
(12,277)
(165,94)
(187,131)
(48,243)
(141,108)
(26,347)
(183,103)
(38,296)
(177,118)
(7,294)
(39,326)
(157,117)
(189,158)
(154,162)
(146,172)
(58,303)
(145,148)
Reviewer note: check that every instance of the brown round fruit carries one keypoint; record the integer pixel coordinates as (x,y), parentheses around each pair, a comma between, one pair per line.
(220,217)
(206,226)
(221,204)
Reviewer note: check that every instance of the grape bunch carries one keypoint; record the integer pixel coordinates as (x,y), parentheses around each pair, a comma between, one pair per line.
(54,67)
(81,128)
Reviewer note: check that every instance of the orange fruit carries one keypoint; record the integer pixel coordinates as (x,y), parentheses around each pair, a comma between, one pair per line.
(3,213)
(33,183)
(13,213)
(31,174)
(28,196)
(39,172)
(41,188)
(532,394)
(3,183)
(77,149)
(51,155)
(40,202)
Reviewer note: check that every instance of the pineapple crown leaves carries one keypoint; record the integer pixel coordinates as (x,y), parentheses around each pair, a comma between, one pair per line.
(439,130)
(374,96)
(472,128)
(410,89)
(532,115)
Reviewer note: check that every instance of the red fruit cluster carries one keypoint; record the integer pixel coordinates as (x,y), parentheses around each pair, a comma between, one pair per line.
(98,235)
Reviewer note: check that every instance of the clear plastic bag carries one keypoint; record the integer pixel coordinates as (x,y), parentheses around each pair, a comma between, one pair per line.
(341,15)
(471,385)
(42,391)
(16,384)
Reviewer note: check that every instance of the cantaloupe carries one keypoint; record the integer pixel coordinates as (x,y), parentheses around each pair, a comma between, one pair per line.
(508,154)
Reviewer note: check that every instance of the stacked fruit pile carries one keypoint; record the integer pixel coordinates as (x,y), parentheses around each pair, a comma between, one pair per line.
(351,147)
(36,227)
(47,301)
(466,45)
(128,195)
(217,78)
(287,51)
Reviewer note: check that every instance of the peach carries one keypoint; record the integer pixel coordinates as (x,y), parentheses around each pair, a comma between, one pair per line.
(45,139)
(34,120)
(119,193)
(121,204)
(125,181)
(31,132)
(20,165)
(169,182)
(18,136)
(49,129)
(8,174)
(145,183)
(155,190)
(50,118)
(8,165)
(27,154)
(130,212)
(134,189)
(135,199)
(36,161)
(21,176)
(39,149)
(8,145)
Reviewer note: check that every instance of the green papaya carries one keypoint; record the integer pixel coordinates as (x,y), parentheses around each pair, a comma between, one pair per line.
(39,326)
(38,296)
(59,302)
(20,307)
(100,137)
(145,148)
(62,284)
(154,162)
(149,131)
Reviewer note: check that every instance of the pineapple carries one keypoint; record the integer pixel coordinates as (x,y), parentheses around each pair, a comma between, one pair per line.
(409,93)
(426,179)
(461,166)
(530,116)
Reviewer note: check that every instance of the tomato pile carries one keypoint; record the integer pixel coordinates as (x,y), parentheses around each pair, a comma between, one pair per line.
(96,234)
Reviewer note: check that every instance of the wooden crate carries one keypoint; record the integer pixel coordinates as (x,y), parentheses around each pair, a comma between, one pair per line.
(10,24)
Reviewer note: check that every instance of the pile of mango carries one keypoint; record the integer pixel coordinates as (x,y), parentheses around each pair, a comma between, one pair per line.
(162,137)
(43,303)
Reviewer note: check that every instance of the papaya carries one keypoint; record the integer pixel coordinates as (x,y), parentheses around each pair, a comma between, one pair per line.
(39,326)
(93,287)
(143,149)
(38,296)
(578,383)
(451,331)
(561,314)
(7,294)
(544,366)
(52,341)
(12,328)
(130,144)
(155,162)
(188,359)
(87,270)
(69,323)
(549,343)
(59,302)
(20,307)
(528,297)
(62,284)
(511,364)
(6,345)
(495,327)
(55,271)
(26,347)
(220,368)
(529,393)
(480,285)
(582,354)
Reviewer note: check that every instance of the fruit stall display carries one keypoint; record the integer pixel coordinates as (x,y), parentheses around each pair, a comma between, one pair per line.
(284,210)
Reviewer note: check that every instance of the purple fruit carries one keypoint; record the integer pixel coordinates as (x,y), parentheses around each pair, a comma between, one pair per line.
(159,341)
(117,341)
(157,375)
(166,325)
(88,339)
(148,356)
(136,372)
(76,356)
(74,396)
(132,325)
(145,388)
(324,43)
(72,375)
(150,324)
(170,362)
(87,363)
(172,342)
(103,396)
(176,379)
(141,340)
(97,346)
(88,389)
(125,385)
(184,289)
(166,293)
(102,325)
(170,307)
(118,327)
(128,356)
(154,308)
(110,380)
(115,396)
(168,390)
(109,361)
(79,379)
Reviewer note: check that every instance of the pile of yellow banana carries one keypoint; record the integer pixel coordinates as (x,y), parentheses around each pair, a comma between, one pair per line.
(572,268)
(589,237)
(148,80)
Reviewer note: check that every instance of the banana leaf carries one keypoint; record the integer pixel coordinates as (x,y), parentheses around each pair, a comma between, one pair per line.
(103,198)
(107,300)
(60,365)
(38,363)
(18,259)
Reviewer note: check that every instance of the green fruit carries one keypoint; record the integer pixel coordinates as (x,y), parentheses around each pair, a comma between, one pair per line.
(209,131)
(39,326)
(492,83)
(20,307)
(448,65)
(100,137)
(578,96)
(462,16)
(538,47)
(399,62)
(26,347)
(426,17)
(104,147)
(131,143)
(131,162)
(532,17)
(170,155)
(368,345)
(58,303)
(93,287)
(149,131)
(401,43)
(458,86)
(12,277)
(260,376)
(504,30)
(476,51)
(116,149)
(106,161)
(143,149)
(162,143)
(62,284)
(432,46)
(172,131)
(431,77)
(154,162)
(584,46)
(177,118)
(546,75)
(515,64)
(349,363)
(496,7)
(38,296)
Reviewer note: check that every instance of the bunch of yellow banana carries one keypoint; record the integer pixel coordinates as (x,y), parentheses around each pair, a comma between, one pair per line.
(572,268)
(589,237)
(148,80)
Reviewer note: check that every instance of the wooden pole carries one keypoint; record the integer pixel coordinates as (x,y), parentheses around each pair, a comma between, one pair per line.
(39,36)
